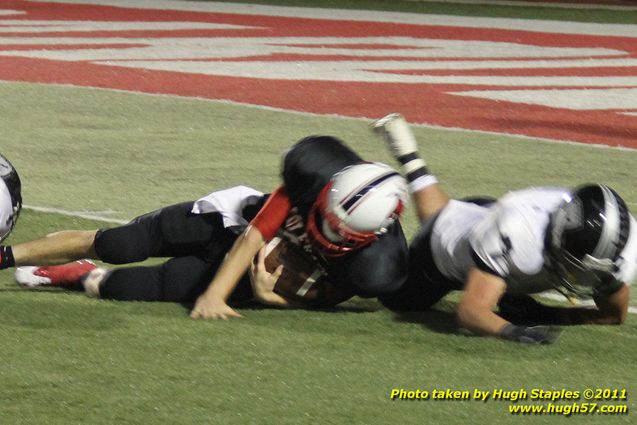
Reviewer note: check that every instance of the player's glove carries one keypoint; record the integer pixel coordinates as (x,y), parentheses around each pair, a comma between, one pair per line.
(530,335)
(397,135)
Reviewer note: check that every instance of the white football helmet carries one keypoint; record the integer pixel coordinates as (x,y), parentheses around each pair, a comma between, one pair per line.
(10,197)
(357,205)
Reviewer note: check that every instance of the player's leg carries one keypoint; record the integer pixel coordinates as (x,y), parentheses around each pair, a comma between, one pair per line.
(56,248)
(172,231)
(425,285)
(180,279)
(429,197)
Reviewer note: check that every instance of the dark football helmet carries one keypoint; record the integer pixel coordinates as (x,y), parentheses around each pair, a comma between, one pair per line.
(586,236)
(9,212)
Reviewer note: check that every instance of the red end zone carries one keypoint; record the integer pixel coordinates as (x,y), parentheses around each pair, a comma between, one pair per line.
(558,86)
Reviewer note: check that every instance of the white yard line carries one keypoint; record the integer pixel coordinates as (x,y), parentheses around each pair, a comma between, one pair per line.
(80,214)
(535,25)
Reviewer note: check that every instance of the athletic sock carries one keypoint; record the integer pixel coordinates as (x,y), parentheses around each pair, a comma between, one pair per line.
(416,172)
(6,257)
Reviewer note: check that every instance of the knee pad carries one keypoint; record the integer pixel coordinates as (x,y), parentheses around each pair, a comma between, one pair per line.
(122,245)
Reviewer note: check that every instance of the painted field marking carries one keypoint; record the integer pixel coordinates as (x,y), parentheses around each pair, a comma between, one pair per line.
(481,74)
(79,214)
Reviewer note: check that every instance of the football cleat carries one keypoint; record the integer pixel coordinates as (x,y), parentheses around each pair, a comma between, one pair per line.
(66,275)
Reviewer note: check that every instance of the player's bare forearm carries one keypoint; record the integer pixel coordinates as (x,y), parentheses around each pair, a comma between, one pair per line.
(236,264)
(273,299)
(212,303)
(609,310)
(475,310)
(429,201)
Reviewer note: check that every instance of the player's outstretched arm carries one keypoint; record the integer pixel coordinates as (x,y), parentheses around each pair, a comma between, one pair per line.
(475,312)
(212,303)
(401,143)
(612,309)
(608,310)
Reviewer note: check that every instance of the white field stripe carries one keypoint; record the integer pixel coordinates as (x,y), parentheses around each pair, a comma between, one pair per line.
(363,72)
(36,26)
(7,12)
(80,214)
(559,297)
(592,4)
(339,116)
(588,99)
(162,48)
(534,25)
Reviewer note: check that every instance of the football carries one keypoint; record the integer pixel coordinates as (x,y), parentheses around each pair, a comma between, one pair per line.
(302,280)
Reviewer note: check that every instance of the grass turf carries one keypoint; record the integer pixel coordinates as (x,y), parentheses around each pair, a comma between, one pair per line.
(524,10)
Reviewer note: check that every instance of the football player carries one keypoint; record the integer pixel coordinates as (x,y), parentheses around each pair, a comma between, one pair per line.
(342,210)
(581,242)
(10,198)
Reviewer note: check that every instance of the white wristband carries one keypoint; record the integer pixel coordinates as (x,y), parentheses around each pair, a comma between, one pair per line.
(422,182)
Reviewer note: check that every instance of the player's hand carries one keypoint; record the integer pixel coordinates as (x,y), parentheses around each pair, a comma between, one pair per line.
(208,307)
(262,281)
(531,335)
(395,131)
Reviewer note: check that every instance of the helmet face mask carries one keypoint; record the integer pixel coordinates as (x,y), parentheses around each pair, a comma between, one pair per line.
(587,234)
(355,208)
(578,278)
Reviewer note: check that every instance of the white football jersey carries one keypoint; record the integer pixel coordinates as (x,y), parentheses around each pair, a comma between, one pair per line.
(229,203)
(508,237)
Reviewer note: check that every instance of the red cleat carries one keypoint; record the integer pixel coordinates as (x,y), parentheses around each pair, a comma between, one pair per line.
(65,275)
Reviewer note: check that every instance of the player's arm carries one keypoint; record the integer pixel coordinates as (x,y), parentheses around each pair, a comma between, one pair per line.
(475,312)
(212,303)
(428,195)
(481,294)
(610,309)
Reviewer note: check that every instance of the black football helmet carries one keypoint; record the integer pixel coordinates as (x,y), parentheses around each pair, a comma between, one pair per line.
(11,180)
(586,236)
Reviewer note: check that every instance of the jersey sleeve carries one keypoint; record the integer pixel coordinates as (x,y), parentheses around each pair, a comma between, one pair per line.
(504,243)
(628,258)
(273,214)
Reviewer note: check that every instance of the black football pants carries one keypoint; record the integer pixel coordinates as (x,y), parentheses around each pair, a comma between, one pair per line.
(195,243)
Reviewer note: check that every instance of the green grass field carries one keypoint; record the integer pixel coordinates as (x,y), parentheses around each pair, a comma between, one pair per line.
(69,359)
